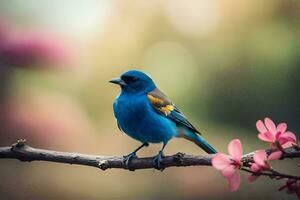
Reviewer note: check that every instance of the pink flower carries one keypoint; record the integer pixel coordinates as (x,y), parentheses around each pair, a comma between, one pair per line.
(261,163)
(31,49)
(28,49)
(278,136)
(229,164)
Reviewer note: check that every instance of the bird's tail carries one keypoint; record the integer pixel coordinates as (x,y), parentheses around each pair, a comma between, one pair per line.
(198,141)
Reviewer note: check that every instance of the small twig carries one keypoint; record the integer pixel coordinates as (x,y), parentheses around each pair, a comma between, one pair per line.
(272,174)
(23,152)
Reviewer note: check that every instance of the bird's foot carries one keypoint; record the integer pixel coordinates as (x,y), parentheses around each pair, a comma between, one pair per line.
(158,161)
(127,159)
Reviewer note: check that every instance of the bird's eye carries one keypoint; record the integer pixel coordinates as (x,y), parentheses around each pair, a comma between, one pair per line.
(134,79)
(130,79)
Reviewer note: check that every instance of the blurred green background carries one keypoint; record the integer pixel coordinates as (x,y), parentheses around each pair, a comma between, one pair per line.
(226,64)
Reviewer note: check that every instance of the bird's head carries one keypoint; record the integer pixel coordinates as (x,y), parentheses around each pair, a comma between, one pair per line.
(134,81)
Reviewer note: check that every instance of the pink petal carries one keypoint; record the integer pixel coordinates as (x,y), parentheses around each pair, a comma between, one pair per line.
(229,171)
(275,155)
(270,126)
(283,140)
(220,161)
(282,127)
(255,167)
(287,144)
(252,178)
(260,157)
(235,149)
(234,181)
(261,127)
(278,135)
(267,137)
(287,137)
(290,136)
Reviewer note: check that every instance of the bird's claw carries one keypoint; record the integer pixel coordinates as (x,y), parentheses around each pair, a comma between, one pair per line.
(127,159)
(158,164)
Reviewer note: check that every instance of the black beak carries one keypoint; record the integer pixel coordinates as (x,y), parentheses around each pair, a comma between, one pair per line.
(117,81)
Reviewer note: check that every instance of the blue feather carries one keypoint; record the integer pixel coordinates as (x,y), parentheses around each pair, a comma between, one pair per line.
(198,140)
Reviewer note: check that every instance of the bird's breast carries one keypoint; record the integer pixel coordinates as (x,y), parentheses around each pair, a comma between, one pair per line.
(132,106)
(138,119)
(130,111)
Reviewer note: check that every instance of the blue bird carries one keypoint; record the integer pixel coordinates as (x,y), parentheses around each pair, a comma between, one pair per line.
(144,113)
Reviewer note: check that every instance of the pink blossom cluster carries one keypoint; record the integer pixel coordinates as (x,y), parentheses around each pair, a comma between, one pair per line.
(30,48)
(277,136)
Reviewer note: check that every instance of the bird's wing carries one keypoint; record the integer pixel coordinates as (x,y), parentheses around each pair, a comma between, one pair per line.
(164,106)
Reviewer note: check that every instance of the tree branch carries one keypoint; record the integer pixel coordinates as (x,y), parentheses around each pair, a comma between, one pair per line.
(23,152)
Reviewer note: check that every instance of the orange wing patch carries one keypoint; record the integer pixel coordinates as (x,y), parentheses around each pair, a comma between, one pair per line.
(155,100)
(160,105)
(164,106)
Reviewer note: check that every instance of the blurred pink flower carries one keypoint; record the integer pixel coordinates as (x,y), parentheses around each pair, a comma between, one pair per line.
(261,162)
(46,119)
(29,49)
(229,164)
(278,136)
